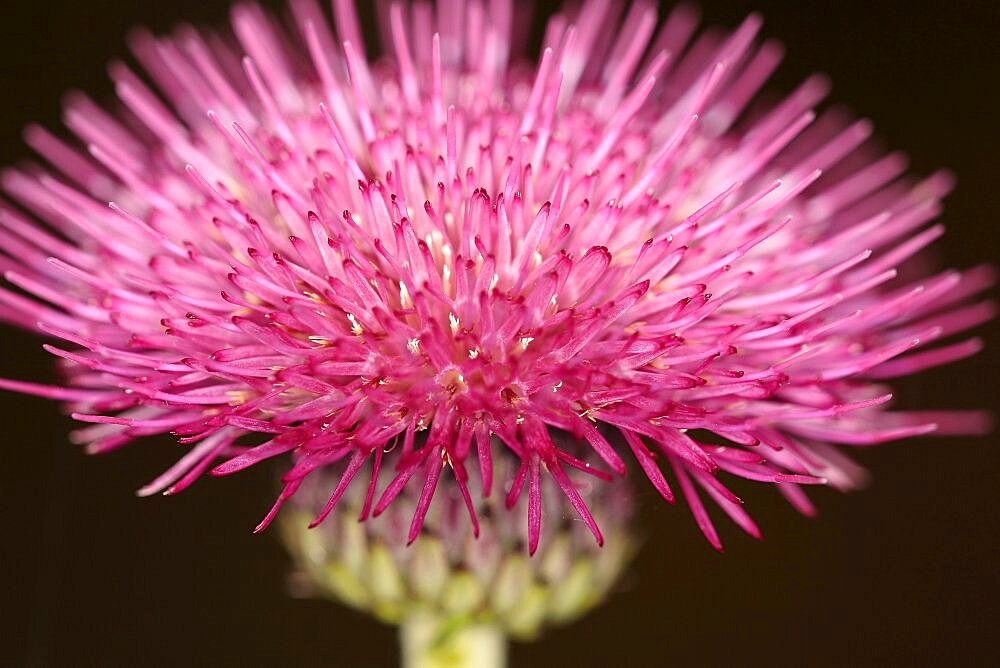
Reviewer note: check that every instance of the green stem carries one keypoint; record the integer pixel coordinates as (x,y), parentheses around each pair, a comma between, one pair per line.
(430,641)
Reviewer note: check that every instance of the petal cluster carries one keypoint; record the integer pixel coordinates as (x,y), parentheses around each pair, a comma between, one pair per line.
(450,258)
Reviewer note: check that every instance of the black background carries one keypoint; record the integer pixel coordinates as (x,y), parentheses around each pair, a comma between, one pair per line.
(904,573)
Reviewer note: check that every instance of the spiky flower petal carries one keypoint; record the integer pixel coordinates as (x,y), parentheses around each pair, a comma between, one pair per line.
(449,257)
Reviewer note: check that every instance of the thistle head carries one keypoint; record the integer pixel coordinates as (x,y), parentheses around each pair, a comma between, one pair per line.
(459,267)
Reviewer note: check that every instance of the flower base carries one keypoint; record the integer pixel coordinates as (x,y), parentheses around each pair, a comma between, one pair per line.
(431,641)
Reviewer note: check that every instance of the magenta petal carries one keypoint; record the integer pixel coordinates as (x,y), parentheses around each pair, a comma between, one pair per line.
(456,255)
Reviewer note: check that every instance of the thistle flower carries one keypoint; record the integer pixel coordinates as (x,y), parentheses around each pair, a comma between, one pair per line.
(449,260)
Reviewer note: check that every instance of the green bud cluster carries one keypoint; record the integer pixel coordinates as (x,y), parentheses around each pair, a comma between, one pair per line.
(450,574)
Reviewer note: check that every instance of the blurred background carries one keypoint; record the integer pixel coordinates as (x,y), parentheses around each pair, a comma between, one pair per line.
(904,573)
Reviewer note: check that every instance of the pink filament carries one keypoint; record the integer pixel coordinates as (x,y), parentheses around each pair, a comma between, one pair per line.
(449,244)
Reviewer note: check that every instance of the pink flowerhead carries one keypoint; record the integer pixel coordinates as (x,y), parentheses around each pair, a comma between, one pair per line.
(480,271)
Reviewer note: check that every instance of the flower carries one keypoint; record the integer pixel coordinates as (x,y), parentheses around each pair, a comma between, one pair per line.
(449,258)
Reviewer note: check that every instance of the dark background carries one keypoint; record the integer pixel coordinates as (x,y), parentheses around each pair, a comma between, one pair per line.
(904,573)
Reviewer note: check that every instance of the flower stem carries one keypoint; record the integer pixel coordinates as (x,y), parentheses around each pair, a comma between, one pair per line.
(431,641)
